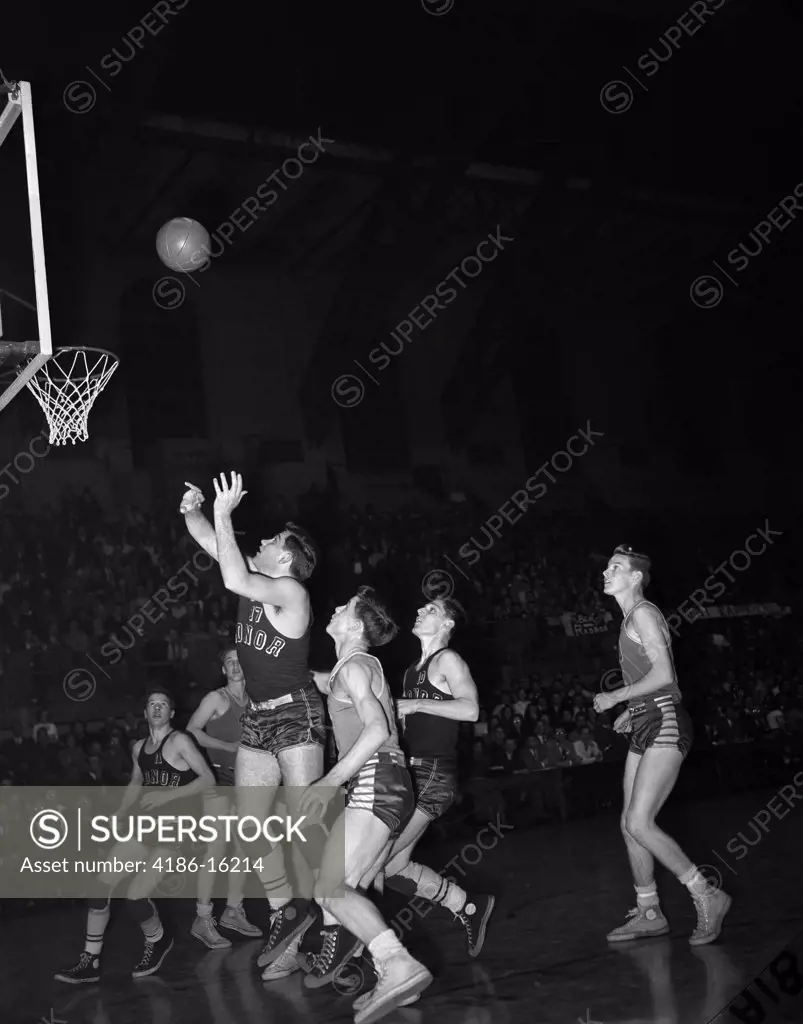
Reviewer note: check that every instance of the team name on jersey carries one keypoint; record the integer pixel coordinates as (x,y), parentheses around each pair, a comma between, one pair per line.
(258,638)
(155,777)
(419,694)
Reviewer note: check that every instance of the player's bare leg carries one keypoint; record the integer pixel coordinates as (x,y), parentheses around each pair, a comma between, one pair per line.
(400,978)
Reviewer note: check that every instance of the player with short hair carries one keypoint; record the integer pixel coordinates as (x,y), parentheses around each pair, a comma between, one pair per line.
(283,727)
(439,693)
(379,803)
(216,726)
(167,766)
(661,737)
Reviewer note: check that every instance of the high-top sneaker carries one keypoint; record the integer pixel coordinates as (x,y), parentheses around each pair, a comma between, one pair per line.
(285,964)
(711,909)
(474,917)
(152,957)
(203,929)
(641,923)
(286,923)
(399,978)
(85,972)
(235,920)
(337,948)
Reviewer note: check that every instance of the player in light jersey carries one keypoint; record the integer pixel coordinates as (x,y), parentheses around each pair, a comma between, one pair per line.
(216,726)
(439,693)
(168,766)
(661,737)
(283,727)
(379,803)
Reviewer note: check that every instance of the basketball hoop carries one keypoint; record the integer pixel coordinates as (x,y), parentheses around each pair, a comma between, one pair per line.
(66,388)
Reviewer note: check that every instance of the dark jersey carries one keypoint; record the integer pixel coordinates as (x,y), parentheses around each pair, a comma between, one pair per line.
(156,771)
(273,664)
(634,661)
(428,735)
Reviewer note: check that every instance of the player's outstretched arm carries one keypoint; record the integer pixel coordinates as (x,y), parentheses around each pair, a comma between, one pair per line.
(199,527)
(283,592)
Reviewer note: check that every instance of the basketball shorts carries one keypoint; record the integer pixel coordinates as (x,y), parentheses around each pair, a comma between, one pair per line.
(384,788)
(434,784)
(661,723)
(295,720)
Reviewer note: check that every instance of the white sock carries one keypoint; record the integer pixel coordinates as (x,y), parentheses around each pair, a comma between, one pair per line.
(203,909)
(385,945)
(696,882)
(328,919)
(647,895)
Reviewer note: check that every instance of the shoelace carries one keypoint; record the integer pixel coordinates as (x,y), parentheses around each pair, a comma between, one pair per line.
(146,956)
(467,920)
(276,922)
(85,961)
(327,953)
(701,903)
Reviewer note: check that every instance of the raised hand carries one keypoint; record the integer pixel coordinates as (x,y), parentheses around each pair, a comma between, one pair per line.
(193,498)
(228,495)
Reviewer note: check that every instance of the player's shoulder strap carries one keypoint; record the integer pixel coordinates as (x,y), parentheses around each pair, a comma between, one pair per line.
(342,662)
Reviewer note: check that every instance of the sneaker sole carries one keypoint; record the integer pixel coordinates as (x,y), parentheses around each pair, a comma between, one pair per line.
(632,936)
(360,1001)
(715,935)
(251,933)
(76,981)
(399,996)
(319,980)
(483,927)
(156,966)
(225,944)
(285,972)
(267,958)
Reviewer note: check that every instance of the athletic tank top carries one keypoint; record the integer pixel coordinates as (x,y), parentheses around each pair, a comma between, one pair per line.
(273,664)
(226,728)
(428,735)
(634,662)
(156,771)
(346,724)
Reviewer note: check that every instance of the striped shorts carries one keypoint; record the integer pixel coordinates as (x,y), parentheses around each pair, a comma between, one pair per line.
(383,787)
(660,722)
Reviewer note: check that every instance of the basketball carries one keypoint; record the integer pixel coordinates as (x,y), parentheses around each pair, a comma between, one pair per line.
(183,244)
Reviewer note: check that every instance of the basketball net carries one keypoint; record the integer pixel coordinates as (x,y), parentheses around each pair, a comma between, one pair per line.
(66,388)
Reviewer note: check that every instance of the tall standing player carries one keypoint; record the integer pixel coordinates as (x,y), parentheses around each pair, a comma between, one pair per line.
(217,726)
(379,802)
(661,736)
(439,694)
(283,727)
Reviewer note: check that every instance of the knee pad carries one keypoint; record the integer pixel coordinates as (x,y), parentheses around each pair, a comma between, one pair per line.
(405,880)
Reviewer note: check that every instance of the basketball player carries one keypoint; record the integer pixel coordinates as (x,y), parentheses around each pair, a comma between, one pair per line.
(379,802)
(283,727)
(169,766)
(216,726)
(661,738)
(439,694)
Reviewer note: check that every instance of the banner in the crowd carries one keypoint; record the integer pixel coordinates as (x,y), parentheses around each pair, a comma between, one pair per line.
(580,624)
(738,611)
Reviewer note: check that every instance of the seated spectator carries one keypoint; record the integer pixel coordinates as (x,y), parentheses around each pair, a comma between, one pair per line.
(531,759)
(565,748)
(507,759)
(586,748)
(480,762)
(522,702)
(116,764)
(43,724)
(73,761)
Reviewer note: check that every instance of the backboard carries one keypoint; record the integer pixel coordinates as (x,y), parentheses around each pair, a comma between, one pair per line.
(25,341)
